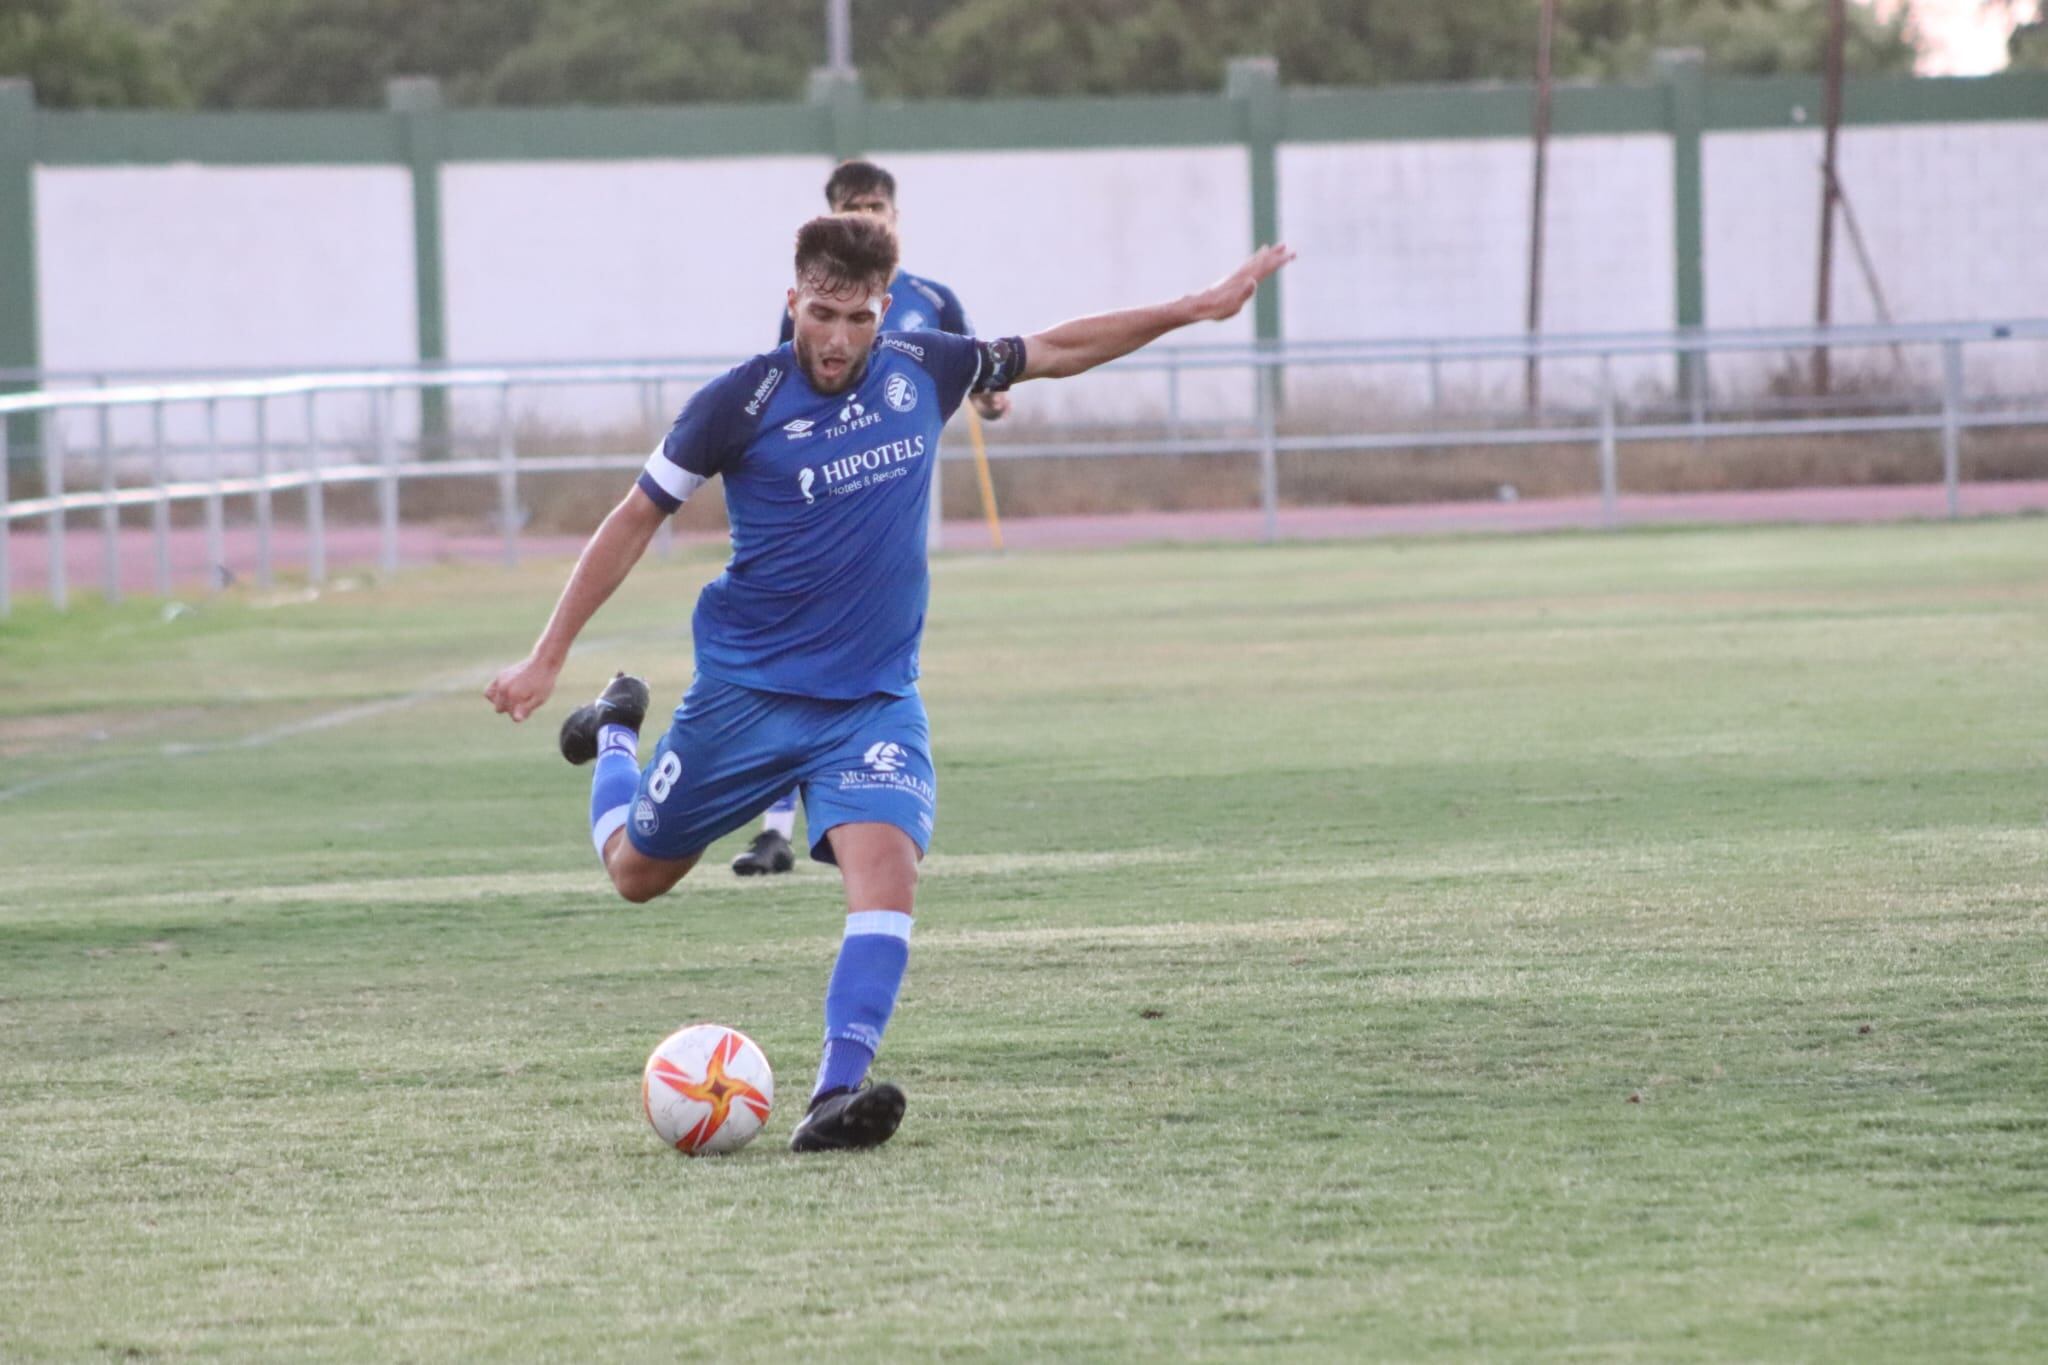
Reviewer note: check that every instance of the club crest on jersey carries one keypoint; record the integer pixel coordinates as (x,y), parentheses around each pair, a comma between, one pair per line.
(901,392)
(645,820)
(798,429)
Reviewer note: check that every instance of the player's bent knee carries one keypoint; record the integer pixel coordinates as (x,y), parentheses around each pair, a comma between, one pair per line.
(639,879)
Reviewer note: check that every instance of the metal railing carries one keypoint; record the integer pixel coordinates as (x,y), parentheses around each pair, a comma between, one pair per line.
(1598,418)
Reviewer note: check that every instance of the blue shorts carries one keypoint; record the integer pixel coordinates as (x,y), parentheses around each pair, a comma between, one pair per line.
(732,751)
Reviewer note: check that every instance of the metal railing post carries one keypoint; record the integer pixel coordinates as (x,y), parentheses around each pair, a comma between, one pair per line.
(387,486)
(508,478)
(53,488)
(6,522)
(216,520)
(263,502)
(1269,454)
(650,404)
(1173,418)
(110,512)
(1952,424)
(1609,478)
(160,506)
(316,496)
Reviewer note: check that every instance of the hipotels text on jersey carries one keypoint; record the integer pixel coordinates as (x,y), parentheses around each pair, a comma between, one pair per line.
(852,472)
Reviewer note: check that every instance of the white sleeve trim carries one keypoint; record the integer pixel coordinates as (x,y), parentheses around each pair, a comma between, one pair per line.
(674,480)
(888,923)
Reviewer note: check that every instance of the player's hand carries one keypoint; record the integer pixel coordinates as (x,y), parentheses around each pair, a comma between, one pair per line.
(1224,298)
(992,406)
(523,688)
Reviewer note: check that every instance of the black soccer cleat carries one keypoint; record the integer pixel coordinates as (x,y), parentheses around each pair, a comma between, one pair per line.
(623,702)
(850,1120)
(770,852)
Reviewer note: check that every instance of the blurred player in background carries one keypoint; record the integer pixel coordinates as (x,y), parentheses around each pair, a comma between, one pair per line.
(915,304)
(807,645)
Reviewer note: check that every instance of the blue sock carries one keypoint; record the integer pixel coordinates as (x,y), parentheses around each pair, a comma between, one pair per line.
(613,783)
(862,995)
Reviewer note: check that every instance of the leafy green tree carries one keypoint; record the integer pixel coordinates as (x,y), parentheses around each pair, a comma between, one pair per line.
(1614,39)
(2027,48)
(656,51)
(318,54)
(340,53)
(997,47)
(79,56)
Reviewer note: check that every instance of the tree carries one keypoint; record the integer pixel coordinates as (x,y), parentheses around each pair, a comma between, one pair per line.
(2026,49)
(656,51)
(1615,38)
(78,56)
(998,47)
(340,53)
(319,54)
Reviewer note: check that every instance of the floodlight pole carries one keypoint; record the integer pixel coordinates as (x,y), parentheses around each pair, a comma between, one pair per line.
(1830,192)
(839,36)
(1532,381)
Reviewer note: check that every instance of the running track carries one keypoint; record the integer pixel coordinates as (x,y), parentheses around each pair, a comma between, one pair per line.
(354,548)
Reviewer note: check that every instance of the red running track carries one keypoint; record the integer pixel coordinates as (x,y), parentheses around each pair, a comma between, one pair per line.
(353,549)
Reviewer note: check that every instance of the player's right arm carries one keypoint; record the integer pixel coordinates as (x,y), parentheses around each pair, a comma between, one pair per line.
(524,687)
(713,430)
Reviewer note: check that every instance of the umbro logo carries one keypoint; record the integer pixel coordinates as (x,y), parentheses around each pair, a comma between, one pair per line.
(801,427)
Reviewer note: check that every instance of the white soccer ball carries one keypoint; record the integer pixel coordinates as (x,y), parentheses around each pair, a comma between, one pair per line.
(707,1089)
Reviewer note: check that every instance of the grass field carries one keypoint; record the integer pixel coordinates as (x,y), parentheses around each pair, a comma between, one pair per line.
(1621,946)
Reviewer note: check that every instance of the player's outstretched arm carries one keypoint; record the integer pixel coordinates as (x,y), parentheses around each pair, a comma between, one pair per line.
(524,687)
(1084,343)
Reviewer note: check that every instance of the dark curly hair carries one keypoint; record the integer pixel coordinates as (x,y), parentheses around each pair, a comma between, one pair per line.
(842,250)
(854,179)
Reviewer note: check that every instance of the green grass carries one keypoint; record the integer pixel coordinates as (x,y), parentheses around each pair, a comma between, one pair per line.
(1567,947)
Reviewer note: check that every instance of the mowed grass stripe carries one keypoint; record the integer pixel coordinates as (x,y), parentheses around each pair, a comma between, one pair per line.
(1570,946)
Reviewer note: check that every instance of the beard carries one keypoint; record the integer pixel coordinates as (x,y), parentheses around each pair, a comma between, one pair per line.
(856,367)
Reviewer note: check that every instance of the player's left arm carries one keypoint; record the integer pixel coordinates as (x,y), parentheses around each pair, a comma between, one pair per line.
(992,405)
(1082,344)
(953,318)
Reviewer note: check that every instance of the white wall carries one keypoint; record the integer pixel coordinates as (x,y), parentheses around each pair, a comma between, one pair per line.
(627,260)
(1950,214)
(1431,239)
(1030,239)
(617,260)
(188,267)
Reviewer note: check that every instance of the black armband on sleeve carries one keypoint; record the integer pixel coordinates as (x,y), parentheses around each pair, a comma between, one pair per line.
(1001,364)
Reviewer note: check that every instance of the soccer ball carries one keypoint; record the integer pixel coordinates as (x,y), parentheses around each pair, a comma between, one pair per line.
(707,1089)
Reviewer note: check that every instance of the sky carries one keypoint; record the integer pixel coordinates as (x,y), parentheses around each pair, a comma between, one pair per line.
(1962,37)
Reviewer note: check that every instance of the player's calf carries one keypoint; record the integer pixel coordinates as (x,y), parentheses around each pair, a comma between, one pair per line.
(608,730)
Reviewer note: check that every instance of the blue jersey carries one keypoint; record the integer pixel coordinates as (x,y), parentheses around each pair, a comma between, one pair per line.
(916,304)
(829,498)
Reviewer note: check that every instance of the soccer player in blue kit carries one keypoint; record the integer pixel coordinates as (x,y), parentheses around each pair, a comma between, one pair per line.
(807,644)
(915,304)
